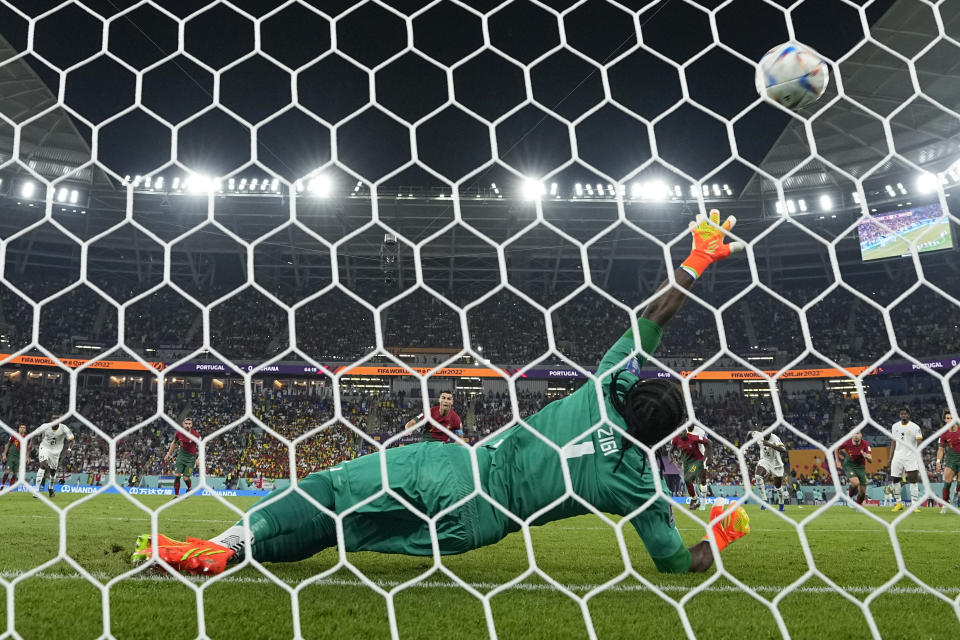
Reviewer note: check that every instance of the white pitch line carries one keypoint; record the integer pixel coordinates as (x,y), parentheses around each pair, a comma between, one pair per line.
(480,586)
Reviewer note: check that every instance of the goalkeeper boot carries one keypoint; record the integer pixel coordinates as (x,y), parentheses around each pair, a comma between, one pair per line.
(194,556)
(898,507)
(51,492)
(733,527)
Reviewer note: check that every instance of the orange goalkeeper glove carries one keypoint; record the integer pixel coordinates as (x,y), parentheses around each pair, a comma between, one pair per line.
(708,244)
(733,527)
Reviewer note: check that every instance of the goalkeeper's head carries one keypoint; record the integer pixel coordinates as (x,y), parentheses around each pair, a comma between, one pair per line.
(653,409)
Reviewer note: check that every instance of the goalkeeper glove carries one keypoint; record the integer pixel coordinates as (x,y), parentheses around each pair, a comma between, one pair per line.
(708,244)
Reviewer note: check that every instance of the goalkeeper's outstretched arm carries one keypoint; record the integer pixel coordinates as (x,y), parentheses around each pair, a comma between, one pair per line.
(708,247)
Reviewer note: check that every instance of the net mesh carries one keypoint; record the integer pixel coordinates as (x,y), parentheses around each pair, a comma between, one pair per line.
(413,126)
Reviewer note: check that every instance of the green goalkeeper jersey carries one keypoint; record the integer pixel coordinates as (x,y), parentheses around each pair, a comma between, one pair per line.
(525,473)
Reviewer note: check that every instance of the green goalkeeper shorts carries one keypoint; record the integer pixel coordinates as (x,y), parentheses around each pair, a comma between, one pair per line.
(852,469)
(184,464)
(951,460)
(692,468)
(429,477)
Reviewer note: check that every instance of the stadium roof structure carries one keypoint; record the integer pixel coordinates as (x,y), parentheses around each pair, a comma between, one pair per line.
(852,139)
(53,147)
(50,143)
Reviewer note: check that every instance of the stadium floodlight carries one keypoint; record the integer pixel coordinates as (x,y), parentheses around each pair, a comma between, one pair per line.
(655,190)
(148,182)
(826,203)
(176,183)
(635,190)
(63,194)
(791,206)
(779,207)
(275,185)
(74,196)
(903,190)
(610,189)
(589,189)
(727,190)
(232,184)
(926,183)
(28,188)
(954,170)
(578,189)
(599,190)
(716,189)
(136,181)
(199,184)
(320,186)
(677,191)
(243,184)
(802,204)
(890,191)
(298,186)
(553,188)
(532,189)
(253,184)
(705,190)
(158,183)
(126,179)
(856,197)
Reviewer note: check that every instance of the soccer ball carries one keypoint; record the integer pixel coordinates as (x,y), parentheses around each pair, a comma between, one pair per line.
(792,75)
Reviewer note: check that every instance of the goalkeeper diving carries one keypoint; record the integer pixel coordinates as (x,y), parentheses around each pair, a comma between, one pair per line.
(516,468)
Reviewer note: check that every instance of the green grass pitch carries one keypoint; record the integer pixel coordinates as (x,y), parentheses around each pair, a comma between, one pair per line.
(580,553)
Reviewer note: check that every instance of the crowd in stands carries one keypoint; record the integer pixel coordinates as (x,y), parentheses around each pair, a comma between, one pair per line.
(504,329)
(245,448)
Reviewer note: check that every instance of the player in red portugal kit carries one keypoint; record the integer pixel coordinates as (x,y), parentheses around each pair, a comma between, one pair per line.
(856,455)
(186,456)
(10,458)
(444,415)
(695,452)
(948,457)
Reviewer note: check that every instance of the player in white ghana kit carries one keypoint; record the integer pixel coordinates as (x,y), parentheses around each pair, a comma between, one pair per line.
(903,459)
(52,438)
(770,465)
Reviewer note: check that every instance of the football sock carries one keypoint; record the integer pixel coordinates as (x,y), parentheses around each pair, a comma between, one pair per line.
(915,493)
(851,491)
(39,482)
(4,481)
(189,483)
(945,493)
(781,495)
(692,491)
(176,486)
(762,486)
(896,492)
(861,496)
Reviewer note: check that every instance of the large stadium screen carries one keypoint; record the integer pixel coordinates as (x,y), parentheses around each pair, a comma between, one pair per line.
(928,226)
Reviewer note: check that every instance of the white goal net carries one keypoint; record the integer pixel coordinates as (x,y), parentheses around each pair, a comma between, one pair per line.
(299,223)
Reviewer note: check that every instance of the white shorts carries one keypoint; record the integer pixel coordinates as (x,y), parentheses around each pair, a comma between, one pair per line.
(50,458)
(902,464)
(771,467)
